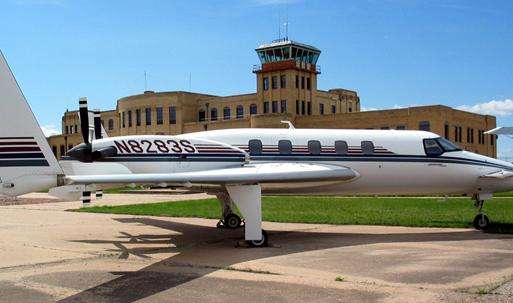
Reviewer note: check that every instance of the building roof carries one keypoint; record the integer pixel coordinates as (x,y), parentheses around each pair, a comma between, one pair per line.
(283,42)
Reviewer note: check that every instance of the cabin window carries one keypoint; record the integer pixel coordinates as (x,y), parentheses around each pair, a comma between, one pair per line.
(341,147)
(255,147)
(367,147)
(432,148)
(314,147)
(285,147)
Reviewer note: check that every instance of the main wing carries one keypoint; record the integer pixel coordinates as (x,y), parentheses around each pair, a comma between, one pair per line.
(249,173)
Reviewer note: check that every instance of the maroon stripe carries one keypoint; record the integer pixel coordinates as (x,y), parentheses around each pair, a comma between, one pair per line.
(18,143)
(16,149)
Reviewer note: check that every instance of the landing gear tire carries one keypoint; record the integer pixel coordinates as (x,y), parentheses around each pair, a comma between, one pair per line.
(481,222)
(264,242)
(232,221)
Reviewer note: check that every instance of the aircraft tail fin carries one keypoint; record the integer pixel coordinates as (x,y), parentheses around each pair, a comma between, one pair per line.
(27,163)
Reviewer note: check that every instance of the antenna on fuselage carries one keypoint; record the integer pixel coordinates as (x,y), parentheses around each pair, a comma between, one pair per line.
(291,126)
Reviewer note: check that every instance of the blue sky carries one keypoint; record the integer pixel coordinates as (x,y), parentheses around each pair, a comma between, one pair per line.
(395,53)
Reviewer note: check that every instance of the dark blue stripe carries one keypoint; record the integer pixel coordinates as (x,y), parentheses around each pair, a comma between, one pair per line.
(22,155)
(15,163)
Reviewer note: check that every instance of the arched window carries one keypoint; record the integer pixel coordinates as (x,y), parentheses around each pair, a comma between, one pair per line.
(201,115)
(226,113)
(213,114)
(111,124)
(253,109)
(240,111)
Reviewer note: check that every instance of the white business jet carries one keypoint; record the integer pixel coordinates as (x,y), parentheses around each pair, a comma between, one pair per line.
(239,165)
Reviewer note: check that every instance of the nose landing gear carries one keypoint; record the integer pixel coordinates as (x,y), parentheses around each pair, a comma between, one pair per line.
(481,221)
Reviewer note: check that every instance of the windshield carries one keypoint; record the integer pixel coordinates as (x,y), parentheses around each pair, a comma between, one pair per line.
(447,145)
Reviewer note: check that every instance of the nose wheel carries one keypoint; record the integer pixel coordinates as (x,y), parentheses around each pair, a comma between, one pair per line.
(481,222)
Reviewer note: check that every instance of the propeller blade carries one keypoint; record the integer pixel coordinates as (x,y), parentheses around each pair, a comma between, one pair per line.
(97,125)
(84,120)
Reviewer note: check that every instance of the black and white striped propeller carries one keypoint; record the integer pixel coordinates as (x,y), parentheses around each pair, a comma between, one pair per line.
(84,152)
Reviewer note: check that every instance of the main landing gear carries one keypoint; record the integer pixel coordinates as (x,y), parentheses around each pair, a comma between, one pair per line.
(481,221)
(248,200)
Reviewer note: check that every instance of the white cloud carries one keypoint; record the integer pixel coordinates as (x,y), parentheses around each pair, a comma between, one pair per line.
(49,130)
(497,108)
(367,109)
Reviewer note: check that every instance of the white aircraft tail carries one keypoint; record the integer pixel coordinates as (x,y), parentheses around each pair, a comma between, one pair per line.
(27,163)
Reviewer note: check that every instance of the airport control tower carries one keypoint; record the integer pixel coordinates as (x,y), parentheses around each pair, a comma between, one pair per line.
(287,78)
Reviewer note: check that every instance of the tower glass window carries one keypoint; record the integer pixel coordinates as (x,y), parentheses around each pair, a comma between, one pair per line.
(283,81)
(172,115)
(283,106)
(275,82)
(275,106)
(266,83)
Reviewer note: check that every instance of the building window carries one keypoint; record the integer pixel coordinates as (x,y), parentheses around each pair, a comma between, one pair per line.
(446,131)
(302,82)
(274,82)
(255,147)
(129,118)
(266,107)
(341,147)
(285,147)
(492,140)
(283,81)
(253,109)
(333,109)
(266,83)
(297,81)
(303,108)
(160,116)
(472,135)
(54,150)
(67,130)
(385,127)
(400,127)
(148,116)
(240,111)
(172,115)
(62,150)
(226,113)
(213,114)
(424,125)
(314,147)
(457,134)
(367,147)
(201,115)
(123,119)
(275,106)
(321,108)
(76,129)
(138,117)
(111,124)
(297,107)
(350,109)
(70,146)
(283,106)
(308,84)
(309,108)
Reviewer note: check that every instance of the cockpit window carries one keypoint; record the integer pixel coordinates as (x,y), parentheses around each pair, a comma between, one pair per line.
(432,147)
(438,146)
(447,145)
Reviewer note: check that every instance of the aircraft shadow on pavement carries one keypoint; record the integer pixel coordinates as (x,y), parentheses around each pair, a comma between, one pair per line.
(207,249)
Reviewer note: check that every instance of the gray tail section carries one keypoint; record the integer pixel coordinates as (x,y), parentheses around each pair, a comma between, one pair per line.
(27,163)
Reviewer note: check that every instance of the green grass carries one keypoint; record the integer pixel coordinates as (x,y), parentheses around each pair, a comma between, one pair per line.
(422,212)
